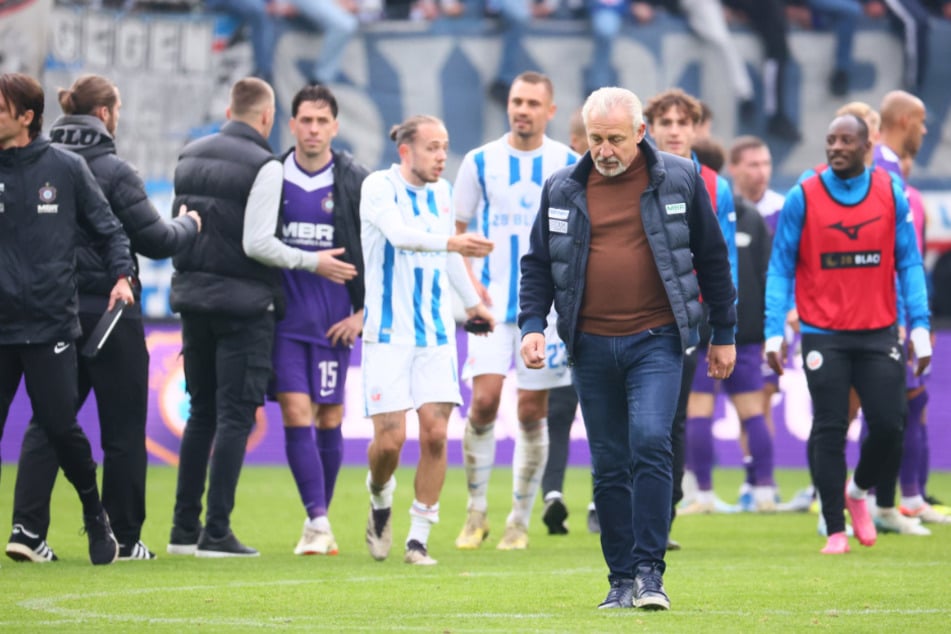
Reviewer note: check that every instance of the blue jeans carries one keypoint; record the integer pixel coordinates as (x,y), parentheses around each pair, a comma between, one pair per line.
(514,17)
(262,26)
(606,25)
(628,389)
(845,14)
(338,26)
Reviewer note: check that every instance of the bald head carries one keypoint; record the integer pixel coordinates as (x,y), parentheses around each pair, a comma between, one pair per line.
(903,122)
(897,104)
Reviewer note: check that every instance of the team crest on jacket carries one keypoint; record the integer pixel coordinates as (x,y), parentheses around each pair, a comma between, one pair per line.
(47,200)
(47,193)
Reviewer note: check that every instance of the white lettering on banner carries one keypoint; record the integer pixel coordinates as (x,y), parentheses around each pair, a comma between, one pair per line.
(24,31)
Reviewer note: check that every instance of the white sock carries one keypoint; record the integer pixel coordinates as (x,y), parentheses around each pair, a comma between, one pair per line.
(478,448)
(912,502)
(421,520)
(854,492)
(381,497)
(528,465)
(320,524)
(706,497)
(553,495)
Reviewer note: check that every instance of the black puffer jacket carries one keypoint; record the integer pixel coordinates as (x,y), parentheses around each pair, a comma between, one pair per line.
(149,233)
(46,195)
(214,176)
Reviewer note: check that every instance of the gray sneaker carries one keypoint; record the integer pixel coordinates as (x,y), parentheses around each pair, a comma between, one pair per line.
(621,595)
(649,589)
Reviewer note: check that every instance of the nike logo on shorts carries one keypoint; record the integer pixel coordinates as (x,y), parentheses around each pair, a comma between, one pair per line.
(60,347)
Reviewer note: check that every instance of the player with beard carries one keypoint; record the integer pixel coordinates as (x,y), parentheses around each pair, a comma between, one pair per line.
(498,188)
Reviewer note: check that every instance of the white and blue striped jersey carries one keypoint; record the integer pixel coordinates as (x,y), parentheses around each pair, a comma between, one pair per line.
(407,278)
(499,188)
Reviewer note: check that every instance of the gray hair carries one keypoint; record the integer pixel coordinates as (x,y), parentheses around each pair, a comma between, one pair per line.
(603,100)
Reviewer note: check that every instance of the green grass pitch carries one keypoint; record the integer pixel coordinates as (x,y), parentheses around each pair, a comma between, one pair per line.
(735,572)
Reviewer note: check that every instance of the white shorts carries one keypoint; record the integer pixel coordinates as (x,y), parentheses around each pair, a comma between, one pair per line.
(398,377)
(495,354)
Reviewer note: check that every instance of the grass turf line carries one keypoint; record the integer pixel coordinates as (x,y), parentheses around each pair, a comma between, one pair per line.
(736,573)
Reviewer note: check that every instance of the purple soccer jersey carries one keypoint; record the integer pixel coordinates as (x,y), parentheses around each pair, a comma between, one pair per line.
(884,157)
(314,303)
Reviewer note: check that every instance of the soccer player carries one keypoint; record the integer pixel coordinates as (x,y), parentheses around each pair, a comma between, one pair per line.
(320,212)
(843,236)
(673,117)
(409,355)
(750,165)
(499,185)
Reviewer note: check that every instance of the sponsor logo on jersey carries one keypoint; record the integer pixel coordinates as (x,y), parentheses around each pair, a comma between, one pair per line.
(852,231)
(851,259)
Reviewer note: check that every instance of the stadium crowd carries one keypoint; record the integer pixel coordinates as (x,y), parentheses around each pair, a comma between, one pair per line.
(579,262)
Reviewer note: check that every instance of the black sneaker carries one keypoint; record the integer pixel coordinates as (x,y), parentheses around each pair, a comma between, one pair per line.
(839,82)
(136,551)
(594,524)
(621,595)
(227,546)
(103,547)
(649,593)
(27,546)
(499,92)
(747,110)
(782,128)
(555,516)
(183,541)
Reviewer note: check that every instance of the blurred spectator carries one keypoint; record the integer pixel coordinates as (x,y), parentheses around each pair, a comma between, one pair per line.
(256,16)
(514,16)
(607,17)
(844,18)
(767,18)
(337,22)
(708,22)
(911,19)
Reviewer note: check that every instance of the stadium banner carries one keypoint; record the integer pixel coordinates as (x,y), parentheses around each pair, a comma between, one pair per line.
(168,413)
(174,71)
(24,26)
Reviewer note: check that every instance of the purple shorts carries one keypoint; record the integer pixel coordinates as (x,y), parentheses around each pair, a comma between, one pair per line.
(747,375)
(301,366)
